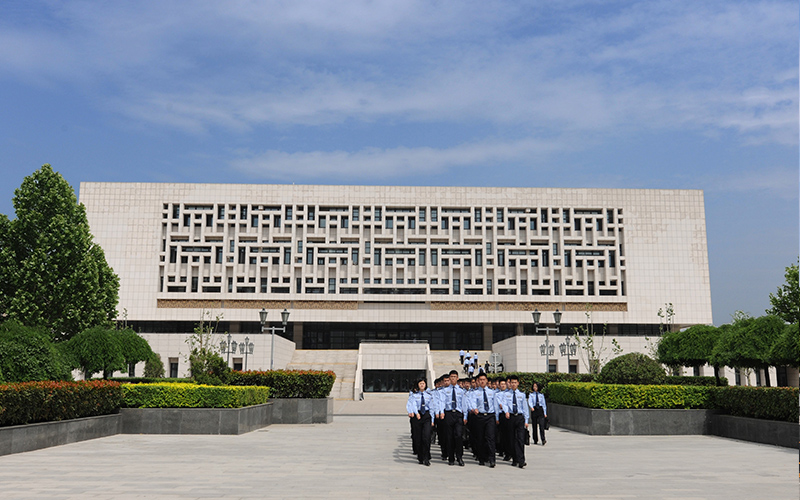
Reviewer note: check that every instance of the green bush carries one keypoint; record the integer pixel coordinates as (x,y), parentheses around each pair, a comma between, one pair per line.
(151,380)
(208,367)
(633,368)
(178,395)
(770,403)
(526,379)
(31,402)
(289,383)
(614,396)
(154,367)
(28,354)
(689,380)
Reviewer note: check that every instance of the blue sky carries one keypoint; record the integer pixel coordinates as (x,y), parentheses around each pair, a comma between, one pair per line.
(656,94)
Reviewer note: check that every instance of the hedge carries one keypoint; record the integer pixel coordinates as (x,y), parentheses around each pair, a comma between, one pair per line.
(526,379)
(30,402)
(180,395)
(691,380)
(770,403)
(151,380)
(308,384)
(617,396)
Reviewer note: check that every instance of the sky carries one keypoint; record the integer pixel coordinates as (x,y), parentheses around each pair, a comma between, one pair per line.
(652,94)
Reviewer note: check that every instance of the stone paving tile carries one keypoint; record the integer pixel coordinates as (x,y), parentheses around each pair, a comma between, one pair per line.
(364,457)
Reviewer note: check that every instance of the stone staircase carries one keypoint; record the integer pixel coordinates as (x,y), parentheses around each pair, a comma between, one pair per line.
(341,362)
(444,361)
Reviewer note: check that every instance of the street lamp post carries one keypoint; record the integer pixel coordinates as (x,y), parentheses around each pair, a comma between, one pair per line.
(246,348)
(228,347)
(547,348)
(285,319)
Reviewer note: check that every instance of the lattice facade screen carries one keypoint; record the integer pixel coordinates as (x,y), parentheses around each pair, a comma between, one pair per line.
(319,251)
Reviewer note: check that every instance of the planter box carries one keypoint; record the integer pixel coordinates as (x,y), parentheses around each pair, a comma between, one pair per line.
(630,422)
(302,411)
(21,438)
(756,430)
(195,420)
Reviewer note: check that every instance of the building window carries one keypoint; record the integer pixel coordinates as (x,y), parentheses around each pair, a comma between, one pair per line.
(323,221)
(434,215)
(354,256)
(241,255)
(489,286)
(555,248)
(331,285)
(288,213)
(434,257)
(544,215)
(276,220)
(221,212)
(243,212)
(422,215)
(599,224)
(612,258)
(377,256)
(545,258)
(610,215)
(532,223)
(456,287)
(254,221)
(345,222)
(355,214)
(445,223)
(488,248)
(501,258)
(421,257)
(310,213)
(466,223)
(309,255)
(173,255)
(287,255)
(187,220)
(512,224)
(477,212)
(389,222)
(378,214)
(412,223)
(565,216)
(478,257)
(567,258)
(500,215)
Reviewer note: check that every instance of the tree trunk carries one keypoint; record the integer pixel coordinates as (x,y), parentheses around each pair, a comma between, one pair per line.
(716,375)
(766,376)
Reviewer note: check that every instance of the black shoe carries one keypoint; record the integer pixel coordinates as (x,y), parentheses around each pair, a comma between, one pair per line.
(451,463)
(427,463)
(506,458)
(481,463)
(522,466)
(460,463)
(491,465)
(544,442)
(536,442)
(514,463)
(444,457)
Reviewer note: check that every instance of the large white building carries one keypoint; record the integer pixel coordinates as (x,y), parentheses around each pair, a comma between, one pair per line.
(456,267)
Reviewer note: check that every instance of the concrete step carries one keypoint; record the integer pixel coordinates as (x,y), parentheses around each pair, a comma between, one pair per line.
(341,362)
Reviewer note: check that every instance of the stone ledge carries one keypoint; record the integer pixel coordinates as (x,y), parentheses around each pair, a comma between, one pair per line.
(21,438)
(195,420)
(302,411)
(756,430)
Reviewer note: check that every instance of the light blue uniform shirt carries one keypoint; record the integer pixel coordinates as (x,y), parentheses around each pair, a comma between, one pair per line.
(475,401)
(445,402)
(522,404)
(501,399)
(415,399)
(537,396)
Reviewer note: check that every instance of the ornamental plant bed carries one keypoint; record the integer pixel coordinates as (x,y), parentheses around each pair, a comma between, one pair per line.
(306,384)
(30,402)
(180,395)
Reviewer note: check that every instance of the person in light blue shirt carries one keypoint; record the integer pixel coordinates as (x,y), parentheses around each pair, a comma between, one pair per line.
(452,414)
(538,413)
(421,406)
(482,406)
(517,413)
(461,356)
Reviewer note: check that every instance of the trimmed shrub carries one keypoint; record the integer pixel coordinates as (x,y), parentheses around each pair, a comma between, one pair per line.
(690,380)
(633,368)
(31,402)
(289,383)
(208,367)
(613,396)
(28,354)
(526,379)
(770,403)
(154,367)
(172,395)
(151,380)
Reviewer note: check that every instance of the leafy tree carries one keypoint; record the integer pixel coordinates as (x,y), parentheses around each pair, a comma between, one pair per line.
(632,368)
(786,301)
(691,347)
(96,350)
(747,343)
(786,349)
(51,273)
(205,363)
(593,348)
(28,354)
(134,348)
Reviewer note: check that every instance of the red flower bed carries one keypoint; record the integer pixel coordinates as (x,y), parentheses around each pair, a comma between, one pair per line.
(29,402)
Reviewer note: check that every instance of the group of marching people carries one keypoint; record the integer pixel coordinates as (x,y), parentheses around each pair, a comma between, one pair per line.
(490,418)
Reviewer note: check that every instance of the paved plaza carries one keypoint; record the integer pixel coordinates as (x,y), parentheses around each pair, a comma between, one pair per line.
(369,456)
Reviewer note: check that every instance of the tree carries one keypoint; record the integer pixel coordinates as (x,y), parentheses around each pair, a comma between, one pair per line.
(205,363)
(786,349)
(593,347)
(154,367)
(28,354)
(747,343)
(134,348)
(96,350)
(786,301)
(51,273)
(691,347)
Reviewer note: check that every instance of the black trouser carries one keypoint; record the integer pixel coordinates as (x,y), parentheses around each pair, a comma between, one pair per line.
(421,436)
(485,426)
(503,437)
(537,419)
(516,429)
(453,427)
